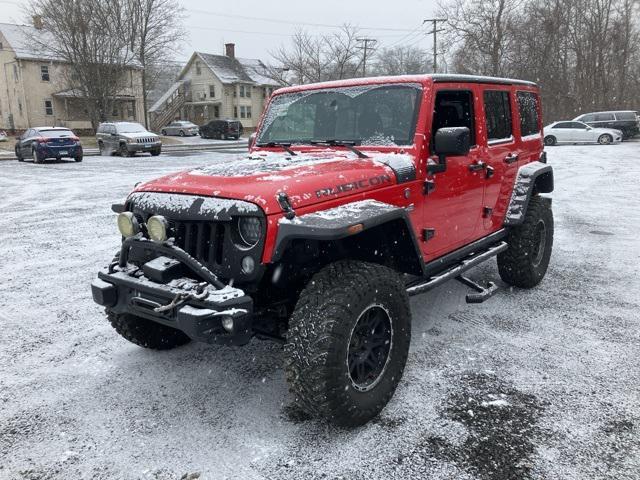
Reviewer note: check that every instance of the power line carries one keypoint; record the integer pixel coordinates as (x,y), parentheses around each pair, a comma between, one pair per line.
(435,32)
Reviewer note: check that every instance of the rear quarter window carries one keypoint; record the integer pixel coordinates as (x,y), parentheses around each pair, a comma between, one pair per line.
(626,116)
(604,117)
(528,107)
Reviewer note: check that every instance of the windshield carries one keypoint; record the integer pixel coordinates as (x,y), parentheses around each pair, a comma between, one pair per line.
(366,115)
(55,133)
(130,128)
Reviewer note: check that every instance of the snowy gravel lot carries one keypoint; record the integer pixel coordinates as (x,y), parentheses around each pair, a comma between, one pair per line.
(539,384)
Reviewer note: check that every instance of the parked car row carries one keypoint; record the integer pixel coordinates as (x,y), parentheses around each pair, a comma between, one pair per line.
(220,129)
(604,128)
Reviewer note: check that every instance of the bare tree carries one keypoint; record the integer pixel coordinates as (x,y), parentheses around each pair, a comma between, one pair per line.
(309,58)
(88,37)
(401,60)
(156,31)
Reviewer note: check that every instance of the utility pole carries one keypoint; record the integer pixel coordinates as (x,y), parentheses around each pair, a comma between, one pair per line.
(366,49)
(435,44)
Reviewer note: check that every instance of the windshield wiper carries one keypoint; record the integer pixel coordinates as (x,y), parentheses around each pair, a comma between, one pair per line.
(284,146)
(350,144)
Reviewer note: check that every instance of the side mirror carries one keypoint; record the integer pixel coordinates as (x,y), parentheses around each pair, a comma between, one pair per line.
(252,140)
(449,141)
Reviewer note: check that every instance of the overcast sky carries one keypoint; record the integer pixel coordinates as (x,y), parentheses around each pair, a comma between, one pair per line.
(390,22)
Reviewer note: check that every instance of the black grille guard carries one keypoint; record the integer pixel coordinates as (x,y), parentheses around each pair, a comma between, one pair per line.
(169,249)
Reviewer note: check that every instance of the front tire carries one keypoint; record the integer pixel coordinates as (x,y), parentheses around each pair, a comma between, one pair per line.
(156,152)
(146,333)
(124,151)
(550,140)
(163,133)
(182,133)
(18,156)
(605,139)
(348,342)
(524,264)
(78,158)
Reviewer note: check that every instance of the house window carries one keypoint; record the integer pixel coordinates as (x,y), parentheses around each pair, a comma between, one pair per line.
(212,91)
(216,111)
(235,112)
(48,107)
(15,72)
(198,69)
(114,111)
(247,91)
(242,112)
(44,73)
(248,112)
(497,114)
(20,106)
(130,112)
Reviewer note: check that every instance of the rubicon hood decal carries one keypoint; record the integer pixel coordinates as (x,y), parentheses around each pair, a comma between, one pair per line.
(306,178)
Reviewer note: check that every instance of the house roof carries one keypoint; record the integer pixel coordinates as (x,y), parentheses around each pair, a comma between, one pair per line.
(236,70)
(28,42)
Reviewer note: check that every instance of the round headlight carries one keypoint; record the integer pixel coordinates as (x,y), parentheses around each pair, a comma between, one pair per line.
(250,230)
(128,224)
(157,227)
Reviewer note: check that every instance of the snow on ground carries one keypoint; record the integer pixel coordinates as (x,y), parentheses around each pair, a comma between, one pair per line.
(538,384)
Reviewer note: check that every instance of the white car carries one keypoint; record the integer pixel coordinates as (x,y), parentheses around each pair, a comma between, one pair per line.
(578,132)
(3,136)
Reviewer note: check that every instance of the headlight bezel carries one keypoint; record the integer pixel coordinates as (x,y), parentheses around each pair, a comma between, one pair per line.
(158,228)
(245,239)
(131,222)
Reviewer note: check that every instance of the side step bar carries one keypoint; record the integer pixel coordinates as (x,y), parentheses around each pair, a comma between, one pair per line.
(457,270)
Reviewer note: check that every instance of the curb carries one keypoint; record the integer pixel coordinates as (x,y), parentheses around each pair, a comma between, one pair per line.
(93,152)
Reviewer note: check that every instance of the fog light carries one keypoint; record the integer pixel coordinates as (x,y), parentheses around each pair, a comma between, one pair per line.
(248,264)
(157,227)
(128,224)
(227,324)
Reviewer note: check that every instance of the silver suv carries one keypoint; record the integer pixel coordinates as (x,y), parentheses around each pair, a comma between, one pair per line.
(127,139)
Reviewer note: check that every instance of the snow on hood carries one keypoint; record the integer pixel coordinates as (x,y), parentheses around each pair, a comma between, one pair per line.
(307,178)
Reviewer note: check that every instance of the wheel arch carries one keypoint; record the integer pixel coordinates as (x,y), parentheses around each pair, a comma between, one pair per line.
(369,231)
(532,179)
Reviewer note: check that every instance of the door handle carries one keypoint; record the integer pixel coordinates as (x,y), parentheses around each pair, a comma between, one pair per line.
(479,165)
(511,158)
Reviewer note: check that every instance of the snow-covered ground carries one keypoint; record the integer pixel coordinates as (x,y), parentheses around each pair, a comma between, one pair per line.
(541,384)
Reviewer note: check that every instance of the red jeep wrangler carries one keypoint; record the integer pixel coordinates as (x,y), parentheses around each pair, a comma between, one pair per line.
(355,195)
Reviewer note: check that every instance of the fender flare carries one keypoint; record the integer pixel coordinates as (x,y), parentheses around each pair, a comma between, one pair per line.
(534,177)
(346,220)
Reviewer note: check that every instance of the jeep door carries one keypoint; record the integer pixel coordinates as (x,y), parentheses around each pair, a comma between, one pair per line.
(502,146)
(453,207)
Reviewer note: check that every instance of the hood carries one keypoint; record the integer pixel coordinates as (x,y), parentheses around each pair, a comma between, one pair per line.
(307,178)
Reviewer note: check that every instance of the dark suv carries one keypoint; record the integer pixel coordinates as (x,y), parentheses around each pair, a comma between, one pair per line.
(627,121)
(222,129)
(355,196)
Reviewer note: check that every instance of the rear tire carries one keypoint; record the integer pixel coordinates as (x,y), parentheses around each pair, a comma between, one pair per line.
(37,158)
(18,156)
(605,139)
(550,140)
(348,342)
(163,132)
(146,333)
(182,133)
(524,264)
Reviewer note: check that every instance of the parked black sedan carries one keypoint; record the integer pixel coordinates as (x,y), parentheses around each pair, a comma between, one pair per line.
(40,143)
(222,129)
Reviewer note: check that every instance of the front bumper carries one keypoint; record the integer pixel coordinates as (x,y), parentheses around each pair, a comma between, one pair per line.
(202,307)
(144,147)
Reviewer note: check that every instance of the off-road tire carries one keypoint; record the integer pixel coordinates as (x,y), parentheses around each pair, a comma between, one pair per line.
(605,139)
(146,333)
(319,337)
(524,264)
(550,140)
(155,152)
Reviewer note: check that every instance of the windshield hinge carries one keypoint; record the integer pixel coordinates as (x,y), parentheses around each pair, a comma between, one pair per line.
(285,205)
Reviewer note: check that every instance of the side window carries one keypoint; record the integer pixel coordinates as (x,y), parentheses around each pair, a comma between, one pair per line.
(604,117)
(453,108)
(497,114)
(562,125)
(578,125)
(528,108)
(588,118)
(625,116)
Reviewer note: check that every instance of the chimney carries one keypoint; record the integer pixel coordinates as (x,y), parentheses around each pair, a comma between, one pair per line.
(37,22)
(230,49)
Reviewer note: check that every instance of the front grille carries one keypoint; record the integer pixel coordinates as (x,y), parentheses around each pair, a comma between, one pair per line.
(146,140)
(202,240)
